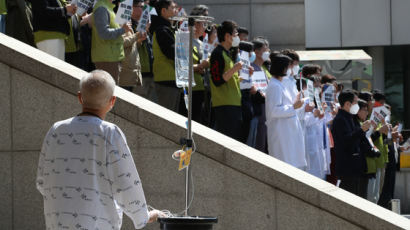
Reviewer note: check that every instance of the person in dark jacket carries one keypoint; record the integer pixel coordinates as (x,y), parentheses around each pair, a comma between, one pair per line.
(366,150)
(50,25)
(347,138)
(19,21)
(163,47)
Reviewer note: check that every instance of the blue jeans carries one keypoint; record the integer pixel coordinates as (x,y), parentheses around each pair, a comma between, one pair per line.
(3,24)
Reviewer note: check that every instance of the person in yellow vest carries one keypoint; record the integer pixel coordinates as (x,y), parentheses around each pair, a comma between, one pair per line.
(163,48)
(225,91)
(107,44)
(50,25)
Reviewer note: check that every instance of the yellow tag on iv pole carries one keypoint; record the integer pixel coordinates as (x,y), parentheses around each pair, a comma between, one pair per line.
(185,159)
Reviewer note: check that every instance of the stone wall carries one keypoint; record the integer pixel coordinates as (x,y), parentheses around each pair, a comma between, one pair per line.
(244,188)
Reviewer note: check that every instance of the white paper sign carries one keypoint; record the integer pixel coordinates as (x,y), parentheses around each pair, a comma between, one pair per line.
(82,5)
(378,114)
(259,81)
(310,90)
(317,99)
(145,18)
(206,47)
(124,12)
(328,96)
(244,72)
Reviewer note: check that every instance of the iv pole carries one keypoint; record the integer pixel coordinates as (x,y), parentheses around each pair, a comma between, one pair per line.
(191,23)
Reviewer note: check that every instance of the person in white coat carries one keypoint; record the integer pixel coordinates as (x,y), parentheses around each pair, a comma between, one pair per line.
(285,133)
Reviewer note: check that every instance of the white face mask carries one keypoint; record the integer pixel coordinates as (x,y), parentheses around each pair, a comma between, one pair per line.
(288,73)
(295,70)
(235,41)
(354,109)
(265,56)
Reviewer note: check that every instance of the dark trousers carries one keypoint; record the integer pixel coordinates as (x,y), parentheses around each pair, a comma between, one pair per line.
(389,182)
(228,120)
(197,106)
(331,178)
(247,113)
(355,184)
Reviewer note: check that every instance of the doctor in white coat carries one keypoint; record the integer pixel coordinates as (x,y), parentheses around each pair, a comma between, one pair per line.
(285,133)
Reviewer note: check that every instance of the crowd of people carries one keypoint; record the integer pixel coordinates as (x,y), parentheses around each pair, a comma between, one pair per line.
(332,139)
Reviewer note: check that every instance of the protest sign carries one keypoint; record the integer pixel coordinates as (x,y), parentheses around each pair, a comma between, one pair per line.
(82,5)
(145,18)
(310,91)
(244,72)
(378,115)
(124,12)
(317,99)
(259,81)
(205,47)
(328,96)
(182,59)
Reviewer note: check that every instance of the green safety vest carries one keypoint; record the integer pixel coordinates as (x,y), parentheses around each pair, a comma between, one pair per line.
(229,92)
(70,45)
(106,50)
(163,67)
(268,75)
(199,81)
(144,58)
(3,7)
(374,163)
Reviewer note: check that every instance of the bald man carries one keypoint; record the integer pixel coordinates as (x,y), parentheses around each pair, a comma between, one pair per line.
(86,172)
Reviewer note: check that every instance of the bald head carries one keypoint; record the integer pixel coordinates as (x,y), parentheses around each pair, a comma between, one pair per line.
(96,88)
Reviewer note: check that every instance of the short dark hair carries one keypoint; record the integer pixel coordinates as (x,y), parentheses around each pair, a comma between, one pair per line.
(135,2)
(279,64)
(378,95)
(246,46)
(310,69)
(160,4)
(199,10)
(366,96)
(291,53)
(226,27)
(346,96)
(243,30)
(327,78)
(362,104)
(258,43)
(304,84)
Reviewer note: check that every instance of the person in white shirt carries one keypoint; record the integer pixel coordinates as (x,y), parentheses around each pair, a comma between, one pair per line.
(285,133)
(86,173)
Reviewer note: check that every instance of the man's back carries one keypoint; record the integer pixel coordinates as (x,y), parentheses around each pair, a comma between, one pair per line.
(88,178)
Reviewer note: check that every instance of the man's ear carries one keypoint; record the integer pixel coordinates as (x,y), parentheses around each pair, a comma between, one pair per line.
(113,100)
(80,99)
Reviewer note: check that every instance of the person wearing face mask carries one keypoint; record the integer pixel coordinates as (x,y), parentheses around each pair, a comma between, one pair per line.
(285,133)
(163,47)
(225,91)
(347,136)
(247,90)
(261,47)
(367,150)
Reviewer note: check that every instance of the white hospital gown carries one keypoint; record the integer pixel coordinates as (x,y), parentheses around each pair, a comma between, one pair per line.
(88,178)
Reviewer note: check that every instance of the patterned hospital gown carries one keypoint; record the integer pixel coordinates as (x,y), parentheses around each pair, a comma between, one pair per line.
(88,178)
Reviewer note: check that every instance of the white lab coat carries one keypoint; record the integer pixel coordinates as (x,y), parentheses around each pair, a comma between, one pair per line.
(285,133)
(290,85)
(314,146)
